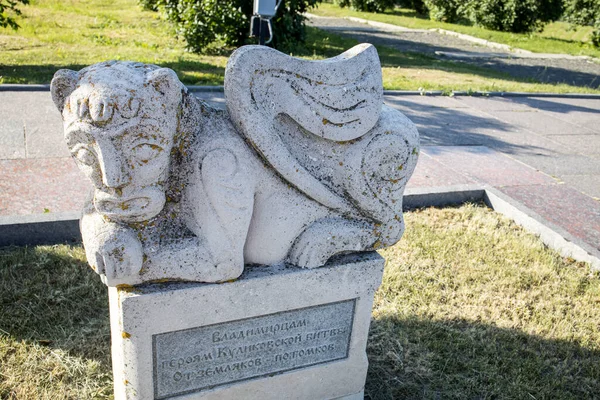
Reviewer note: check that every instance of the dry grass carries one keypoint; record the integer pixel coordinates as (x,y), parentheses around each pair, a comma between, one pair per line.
(471,307)
(54,335)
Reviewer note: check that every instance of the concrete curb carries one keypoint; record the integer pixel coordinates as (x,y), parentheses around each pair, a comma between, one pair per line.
(590,96)
(24,230)
(219,89)
(64,227)
(13,87)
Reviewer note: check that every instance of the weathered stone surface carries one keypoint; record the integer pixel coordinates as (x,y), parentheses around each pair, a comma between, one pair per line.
(278,332)
(306,163)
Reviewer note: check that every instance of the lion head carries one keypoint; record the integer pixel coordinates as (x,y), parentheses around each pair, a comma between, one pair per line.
(120,120)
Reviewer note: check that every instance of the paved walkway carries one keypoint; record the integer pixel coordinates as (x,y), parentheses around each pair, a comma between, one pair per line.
(544,153)
(543,68)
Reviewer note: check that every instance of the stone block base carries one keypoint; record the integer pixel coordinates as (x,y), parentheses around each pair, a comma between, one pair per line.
(275,333)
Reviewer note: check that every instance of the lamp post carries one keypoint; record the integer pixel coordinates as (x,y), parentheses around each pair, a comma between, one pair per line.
(260,24)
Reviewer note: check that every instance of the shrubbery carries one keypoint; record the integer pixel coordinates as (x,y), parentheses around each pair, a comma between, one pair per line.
(514,15)
(503,15)
(447,10)
(377,6)
(202,23)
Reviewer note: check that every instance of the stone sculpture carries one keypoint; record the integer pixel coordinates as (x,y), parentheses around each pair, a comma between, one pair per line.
(306,164)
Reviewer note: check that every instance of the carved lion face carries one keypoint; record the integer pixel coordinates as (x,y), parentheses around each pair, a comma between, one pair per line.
(120,120)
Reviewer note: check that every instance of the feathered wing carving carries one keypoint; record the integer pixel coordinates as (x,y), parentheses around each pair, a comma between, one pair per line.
(337,99)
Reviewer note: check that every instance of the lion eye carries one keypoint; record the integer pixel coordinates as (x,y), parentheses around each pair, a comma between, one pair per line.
(145,152)
(85,156)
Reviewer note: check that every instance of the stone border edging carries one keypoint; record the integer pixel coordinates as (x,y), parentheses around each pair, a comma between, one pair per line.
(53,228)
(64,227)
(10,87)
(591,96)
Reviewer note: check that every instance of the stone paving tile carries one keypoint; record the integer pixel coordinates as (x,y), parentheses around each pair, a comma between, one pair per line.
(425,101)
(582,144)
(559,165)
(31,186)
(12,138)
(32,115)
(588,184)
(430,173)
(544,124)
(491,103)
(487,166)
(564,206)
(585,121)
(560,103)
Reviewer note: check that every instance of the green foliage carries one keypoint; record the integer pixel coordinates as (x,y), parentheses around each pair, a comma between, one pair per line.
(417,5)
(446,10)
(377,6)
(149,5)
(585,12)
(204,24)
(7,6)
(514,15)
(288,25)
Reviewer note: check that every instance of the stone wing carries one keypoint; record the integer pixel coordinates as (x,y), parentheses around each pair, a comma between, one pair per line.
(337,99)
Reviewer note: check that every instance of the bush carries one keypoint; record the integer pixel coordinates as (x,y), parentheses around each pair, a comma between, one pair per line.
(149,5)
(585,12)
(5,7)
(202,23)
(417,5)
(514,15)
(376,6)
(288,24)
(447,10)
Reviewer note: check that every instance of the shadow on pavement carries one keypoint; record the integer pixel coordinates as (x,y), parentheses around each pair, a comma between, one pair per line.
(439,126)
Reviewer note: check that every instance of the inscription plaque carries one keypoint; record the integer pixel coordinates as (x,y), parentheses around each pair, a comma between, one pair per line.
(196,359)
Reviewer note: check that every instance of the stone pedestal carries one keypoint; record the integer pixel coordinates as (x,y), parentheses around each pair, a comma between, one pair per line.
(275,333)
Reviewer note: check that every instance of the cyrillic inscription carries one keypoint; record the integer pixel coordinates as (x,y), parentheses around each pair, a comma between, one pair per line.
(195,359)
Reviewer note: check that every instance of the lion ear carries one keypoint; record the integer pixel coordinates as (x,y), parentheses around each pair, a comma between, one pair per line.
(165,81)
(62,86)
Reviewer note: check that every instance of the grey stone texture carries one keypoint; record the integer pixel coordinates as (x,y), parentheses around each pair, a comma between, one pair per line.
(277,332)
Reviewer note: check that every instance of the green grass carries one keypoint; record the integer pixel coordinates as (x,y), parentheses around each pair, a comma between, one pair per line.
(471,307)
(75,33)
(557,37)
(72,34)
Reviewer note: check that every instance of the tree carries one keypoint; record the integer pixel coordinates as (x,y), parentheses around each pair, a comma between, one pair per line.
(8,7)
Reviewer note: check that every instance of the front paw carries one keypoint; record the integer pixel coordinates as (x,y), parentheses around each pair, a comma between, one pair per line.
(117,257)
(326,238)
